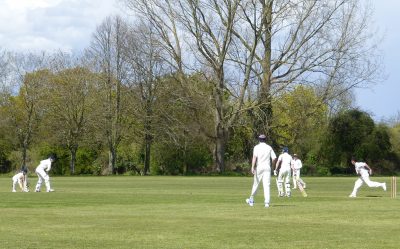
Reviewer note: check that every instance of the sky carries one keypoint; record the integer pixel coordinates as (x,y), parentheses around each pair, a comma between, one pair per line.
(67,25)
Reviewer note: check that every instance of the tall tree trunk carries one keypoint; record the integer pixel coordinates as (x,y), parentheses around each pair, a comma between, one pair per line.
(265,96)
(112,159)
(147,154)
(221,131)
(24,155)
(220,147)
(72,163)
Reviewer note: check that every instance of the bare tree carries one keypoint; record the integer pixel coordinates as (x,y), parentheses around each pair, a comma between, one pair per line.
(70,103)
(144,55)
(23,106)
(254,50)
(107,50)
(325,44)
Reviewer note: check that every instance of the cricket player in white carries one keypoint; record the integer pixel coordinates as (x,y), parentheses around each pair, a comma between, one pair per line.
(364,171)
(20,178)
(296,166)
(285,163)
(261,169)
(41,171)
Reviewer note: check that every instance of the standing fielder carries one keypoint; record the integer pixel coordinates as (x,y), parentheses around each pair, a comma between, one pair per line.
(285,163)
(262,156)
(44,166)
(296,166)
(364,171)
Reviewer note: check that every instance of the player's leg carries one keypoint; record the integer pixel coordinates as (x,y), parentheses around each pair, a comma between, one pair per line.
(287,184)
(357,185)
(14,183)
(280,183)
(266,180)
(373,184)
(300,180)
(40,174)
(46,178)
(295,178)
(256,182)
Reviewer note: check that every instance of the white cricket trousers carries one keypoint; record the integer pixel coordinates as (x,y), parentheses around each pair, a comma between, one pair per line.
(284,176)
(42,176)
(365,178)
(264,177)
(296,177)
(15,180)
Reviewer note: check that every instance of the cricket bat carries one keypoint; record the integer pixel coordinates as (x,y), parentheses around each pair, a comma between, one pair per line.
(302,190)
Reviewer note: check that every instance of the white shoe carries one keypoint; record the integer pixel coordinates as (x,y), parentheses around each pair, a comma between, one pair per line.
(266,205)
(14,191)
(352,196)
(50,190)
(250,202)
(37,190)
(384,186)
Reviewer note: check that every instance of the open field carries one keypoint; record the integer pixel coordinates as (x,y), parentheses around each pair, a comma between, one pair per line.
(196,212)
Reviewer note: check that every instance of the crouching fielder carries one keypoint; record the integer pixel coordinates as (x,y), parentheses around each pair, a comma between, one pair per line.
(20,178)
(364,171)
(41,171)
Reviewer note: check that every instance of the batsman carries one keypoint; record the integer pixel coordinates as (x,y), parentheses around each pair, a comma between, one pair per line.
(284,162)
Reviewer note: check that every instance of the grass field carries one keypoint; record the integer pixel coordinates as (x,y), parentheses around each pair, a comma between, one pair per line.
(196,212)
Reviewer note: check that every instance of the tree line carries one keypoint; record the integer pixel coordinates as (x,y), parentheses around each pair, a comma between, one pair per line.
(185,87)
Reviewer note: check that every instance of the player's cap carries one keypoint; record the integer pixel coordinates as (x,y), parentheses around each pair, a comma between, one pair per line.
(52,157)
(262,136)
(294,155)
(285,149)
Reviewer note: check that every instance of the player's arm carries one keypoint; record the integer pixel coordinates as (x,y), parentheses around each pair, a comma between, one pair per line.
(48,167)
(369,168)
(21,183)
(253,164)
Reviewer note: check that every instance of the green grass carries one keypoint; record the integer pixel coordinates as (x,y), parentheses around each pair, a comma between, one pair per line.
(195,212)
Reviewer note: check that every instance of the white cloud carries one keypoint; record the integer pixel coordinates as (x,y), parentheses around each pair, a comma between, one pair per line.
(35,25)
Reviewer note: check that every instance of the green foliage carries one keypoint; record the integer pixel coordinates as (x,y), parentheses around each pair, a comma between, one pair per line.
(173,160)
(354,133)
(299,119)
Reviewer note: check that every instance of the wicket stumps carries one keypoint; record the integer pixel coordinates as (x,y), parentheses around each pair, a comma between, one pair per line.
(393,192)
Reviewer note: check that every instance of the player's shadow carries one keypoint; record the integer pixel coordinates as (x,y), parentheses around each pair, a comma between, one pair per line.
(374,196)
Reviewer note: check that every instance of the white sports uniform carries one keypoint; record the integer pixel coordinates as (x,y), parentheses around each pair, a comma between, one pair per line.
(44,166)
(264,154)
(364,177)
(284,173)
(20,179)
(297,165)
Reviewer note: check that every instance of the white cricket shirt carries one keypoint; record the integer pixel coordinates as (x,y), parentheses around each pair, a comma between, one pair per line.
(297,164)
(264,154)
(360,167)
(44,165)
(286,160)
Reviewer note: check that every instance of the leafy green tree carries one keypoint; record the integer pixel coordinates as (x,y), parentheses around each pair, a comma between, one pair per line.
(300,118)
(354,133)
(70,104)
(24,112)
